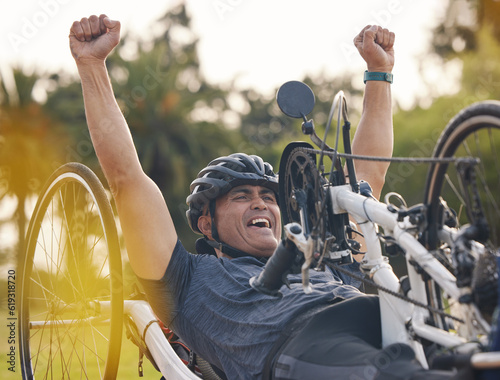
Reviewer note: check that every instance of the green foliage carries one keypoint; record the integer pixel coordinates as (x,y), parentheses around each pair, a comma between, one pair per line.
(415,134)
(31,147)
(417,130)
(481,72)
(458,32)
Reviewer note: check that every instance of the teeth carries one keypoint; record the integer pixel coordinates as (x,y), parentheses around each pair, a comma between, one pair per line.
(261,220)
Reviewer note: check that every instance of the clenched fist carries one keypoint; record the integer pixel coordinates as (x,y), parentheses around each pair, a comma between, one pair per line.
(376,46)
(92,39)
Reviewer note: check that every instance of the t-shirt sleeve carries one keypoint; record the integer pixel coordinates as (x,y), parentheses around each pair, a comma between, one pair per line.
(167,294)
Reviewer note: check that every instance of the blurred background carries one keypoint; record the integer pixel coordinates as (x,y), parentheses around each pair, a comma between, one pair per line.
(197,79)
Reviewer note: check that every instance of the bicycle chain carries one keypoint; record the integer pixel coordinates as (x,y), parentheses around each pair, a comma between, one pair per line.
(370,282)
(423,160)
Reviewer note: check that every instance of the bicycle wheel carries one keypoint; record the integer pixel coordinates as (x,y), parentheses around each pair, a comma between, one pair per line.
(71,311)
(474,132)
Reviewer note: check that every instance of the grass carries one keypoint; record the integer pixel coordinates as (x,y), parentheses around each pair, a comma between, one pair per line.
(128,363)
(128,368)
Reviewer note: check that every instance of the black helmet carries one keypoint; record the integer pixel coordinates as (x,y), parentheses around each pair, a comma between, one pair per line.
(221,175)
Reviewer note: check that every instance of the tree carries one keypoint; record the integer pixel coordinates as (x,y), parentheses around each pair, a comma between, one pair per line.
(464,19)
(27,140)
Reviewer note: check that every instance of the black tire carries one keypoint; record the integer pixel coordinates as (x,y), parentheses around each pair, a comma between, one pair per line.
(72,259)
(474,132)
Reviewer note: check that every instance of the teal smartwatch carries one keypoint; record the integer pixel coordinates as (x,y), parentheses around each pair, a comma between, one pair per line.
(373,75)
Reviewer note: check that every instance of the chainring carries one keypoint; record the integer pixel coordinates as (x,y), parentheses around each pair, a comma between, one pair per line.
(301,190)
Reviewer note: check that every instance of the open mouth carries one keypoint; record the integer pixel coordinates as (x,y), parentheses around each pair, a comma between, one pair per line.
(260,222)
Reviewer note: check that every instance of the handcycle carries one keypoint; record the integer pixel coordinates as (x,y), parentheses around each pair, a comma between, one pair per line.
(72,310)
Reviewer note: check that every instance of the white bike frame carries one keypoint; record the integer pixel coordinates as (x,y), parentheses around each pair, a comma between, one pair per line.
(171,367)
(402,322)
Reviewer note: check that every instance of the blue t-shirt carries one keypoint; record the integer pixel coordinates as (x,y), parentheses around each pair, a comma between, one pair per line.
(210,304)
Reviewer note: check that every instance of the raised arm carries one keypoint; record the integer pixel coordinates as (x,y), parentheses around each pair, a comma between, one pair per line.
(374,134)
(147,227)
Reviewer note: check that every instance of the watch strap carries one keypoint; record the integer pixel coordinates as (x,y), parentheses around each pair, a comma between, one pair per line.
(377,76)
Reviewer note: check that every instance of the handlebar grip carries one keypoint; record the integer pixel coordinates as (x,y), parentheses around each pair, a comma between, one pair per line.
(270,280)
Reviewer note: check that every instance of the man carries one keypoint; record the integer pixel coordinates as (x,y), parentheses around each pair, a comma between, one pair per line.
(207,298)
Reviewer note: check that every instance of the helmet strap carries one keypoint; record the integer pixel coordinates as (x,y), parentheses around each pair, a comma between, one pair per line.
(211,209)
(227,249)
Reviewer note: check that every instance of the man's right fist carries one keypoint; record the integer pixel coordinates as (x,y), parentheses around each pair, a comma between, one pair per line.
(93,38)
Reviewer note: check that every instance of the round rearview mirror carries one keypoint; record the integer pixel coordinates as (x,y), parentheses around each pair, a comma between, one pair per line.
(295,99)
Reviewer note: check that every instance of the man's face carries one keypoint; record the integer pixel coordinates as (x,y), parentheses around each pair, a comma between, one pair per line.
(248,218)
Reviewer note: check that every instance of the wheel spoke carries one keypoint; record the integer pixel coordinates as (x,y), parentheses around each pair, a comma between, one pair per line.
(472,133)
(67,267)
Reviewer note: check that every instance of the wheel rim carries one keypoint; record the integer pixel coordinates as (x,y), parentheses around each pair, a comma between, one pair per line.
(67,278)
(476,137)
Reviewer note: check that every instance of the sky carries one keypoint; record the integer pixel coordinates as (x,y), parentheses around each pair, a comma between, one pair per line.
(256,43)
